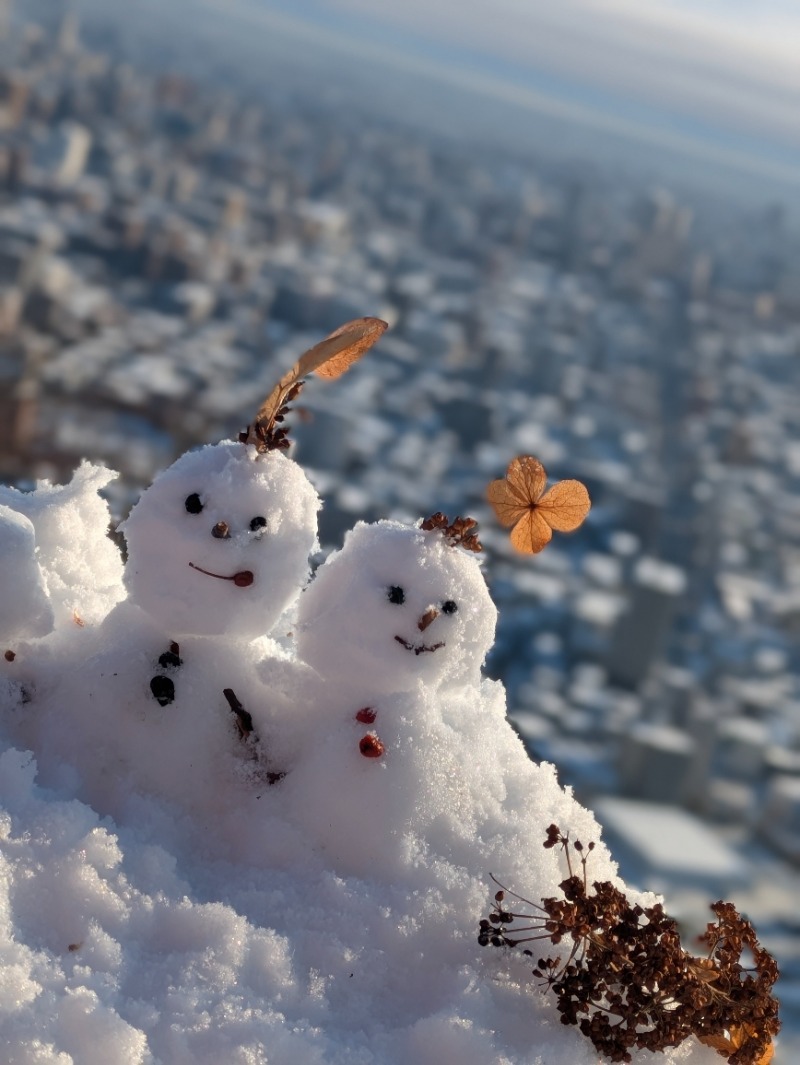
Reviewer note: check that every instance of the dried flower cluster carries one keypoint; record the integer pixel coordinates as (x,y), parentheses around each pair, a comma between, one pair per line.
(628,983)
(458,533)
(268,434)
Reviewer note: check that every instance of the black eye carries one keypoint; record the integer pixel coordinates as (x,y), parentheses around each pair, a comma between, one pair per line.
(450,607)
(396,595)
(257,523)
(193,503)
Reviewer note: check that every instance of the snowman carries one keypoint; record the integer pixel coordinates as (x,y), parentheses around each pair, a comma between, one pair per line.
(218,549)
(408,757)
(394,630)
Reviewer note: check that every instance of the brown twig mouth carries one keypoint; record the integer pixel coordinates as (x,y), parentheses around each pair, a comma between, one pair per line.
(243,579)
(418,649)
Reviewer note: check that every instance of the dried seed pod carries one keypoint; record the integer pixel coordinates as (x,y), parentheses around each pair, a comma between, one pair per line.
(163,690)
(628,983)
(171,659)
(458,533)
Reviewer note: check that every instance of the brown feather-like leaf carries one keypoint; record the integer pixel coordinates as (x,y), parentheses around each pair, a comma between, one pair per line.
(343,347)
(330,358)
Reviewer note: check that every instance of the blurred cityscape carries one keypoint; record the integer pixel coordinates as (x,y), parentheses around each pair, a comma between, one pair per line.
(169,243)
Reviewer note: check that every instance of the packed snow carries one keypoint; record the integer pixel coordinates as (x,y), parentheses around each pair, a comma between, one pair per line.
(246,818)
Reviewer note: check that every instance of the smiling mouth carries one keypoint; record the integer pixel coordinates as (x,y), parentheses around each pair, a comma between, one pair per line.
(243,579)
(420,648)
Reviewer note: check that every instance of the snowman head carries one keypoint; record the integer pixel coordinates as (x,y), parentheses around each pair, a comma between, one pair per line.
(396,606)
(219,543)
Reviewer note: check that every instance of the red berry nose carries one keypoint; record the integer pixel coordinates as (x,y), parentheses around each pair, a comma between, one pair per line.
(366,715)
(243,579)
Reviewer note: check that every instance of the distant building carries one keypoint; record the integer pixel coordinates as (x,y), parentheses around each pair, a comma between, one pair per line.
(780,820)
(14,92)
(660,848)
(19,398)
(655,763)
(63,154)
(641,631)
(68,40)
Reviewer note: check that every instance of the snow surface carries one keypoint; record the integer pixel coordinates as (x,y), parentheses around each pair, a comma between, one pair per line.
(165,895)
(81,565)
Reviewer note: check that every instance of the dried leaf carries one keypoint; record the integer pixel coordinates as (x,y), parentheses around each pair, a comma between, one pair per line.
(565,506)
(531,533)
(520,499)
(330,358)
(512,495)
(344,346)
(736,1038)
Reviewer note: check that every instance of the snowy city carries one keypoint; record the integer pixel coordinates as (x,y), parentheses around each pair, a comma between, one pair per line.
(174,234)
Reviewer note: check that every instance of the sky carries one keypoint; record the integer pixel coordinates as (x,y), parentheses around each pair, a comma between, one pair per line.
(714,80)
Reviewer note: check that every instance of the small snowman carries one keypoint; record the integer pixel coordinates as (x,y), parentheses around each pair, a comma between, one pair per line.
(411,758)
(218,549)
(395,628)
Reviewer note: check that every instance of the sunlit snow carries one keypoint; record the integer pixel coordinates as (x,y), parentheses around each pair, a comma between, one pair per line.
(296,883)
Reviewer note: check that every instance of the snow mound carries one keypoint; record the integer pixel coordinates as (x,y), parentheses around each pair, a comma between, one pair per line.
(221,850)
